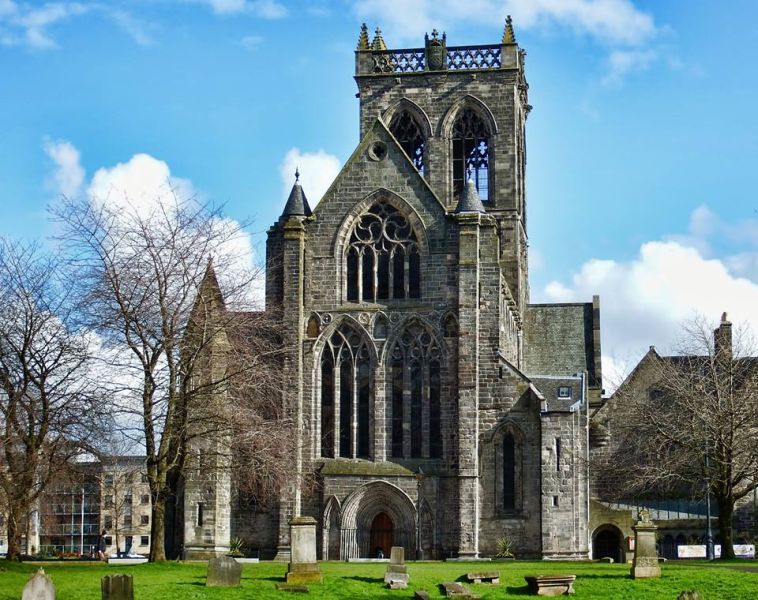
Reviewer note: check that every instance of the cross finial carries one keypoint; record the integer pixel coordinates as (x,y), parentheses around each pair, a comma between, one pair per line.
(297,174)
(435,34)
(378,42)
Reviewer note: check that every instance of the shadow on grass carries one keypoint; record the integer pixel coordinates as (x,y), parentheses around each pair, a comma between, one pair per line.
(518,591)
(364,579)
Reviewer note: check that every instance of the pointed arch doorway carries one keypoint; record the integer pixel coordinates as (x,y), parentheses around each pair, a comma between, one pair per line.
(382,538)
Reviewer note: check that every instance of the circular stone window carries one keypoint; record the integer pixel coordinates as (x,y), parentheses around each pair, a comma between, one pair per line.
(377,151)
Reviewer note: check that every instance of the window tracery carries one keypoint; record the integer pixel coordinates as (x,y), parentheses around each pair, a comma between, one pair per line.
(471,153)
(406,130)
(415,376)
(345,394)
(382,257)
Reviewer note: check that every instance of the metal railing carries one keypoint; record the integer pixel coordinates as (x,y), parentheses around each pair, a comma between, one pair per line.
(357,543)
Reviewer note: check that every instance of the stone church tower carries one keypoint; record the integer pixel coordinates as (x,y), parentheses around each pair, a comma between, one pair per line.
(438,409)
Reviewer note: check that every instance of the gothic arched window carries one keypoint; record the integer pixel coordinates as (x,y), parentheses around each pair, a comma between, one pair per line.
(382,257)
(471,149)
(416,387)
(345,395)
(508,469)
(406,131)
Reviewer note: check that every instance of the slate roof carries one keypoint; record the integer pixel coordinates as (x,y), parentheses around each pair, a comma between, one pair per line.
(559,340)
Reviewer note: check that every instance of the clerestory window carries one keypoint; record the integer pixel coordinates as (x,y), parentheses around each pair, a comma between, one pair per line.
(415,384)
(406,131)
(345,395)
(382,257)
(471,147)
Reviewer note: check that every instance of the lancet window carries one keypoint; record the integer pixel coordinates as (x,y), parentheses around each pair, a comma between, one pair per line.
(345,394)
(406,131)
(416,388)
(382,257)
(508,469)
(471,147)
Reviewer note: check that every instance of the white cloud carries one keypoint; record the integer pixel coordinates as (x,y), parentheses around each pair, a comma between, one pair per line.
(317,171)
(135,28)
(251,42)
(621,63)
(265,9)
(69,174)
(142,183)
(29,24)
(645,300)
(610,21)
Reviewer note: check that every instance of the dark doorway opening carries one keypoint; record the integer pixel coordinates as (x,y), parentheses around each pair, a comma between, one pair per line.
(607,543)
(381,535)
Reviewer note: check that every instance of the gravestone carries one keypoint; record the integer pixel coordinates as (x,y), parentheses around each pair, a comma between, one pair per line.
(223,571)
(645,563)
(551,585)
(39,587)
(117,587)
(396,576)
(421,595)
(492,577)
(303,566)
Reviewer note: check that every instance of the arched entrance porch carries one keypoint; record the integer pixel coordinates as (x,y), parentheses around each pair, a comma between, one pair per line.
(607,542)
(375,517)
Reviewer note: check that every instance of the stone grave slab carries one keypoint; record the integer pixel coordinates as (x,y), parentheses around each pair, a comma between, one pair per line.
(421,595)
(453,589)
(117,587)
(223,571)
(492,577)
(39,587)
(551,585)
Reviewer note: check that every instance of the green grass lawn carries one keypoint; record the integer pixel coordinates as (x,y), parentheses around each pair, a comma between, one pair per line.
(81,581)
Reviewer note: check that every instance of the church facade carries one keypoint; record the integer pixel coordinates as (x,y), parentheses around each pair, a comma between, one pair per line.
(438,408)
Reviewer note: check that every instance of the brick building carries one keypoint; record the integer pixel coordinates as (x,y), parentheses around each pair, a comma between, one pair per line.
(438,408)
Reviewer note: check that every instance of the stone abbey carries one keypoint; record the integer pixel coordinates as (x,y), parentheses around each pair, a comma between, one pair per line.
(438,409)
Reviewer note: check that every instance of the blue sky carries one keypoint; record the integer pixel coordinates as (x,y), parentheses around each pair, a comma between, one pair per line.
(642,145)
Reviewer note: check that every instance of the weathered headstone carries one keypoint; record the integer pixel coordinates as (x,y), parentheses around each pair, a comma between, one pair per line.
(396,576)
(645,563)
(303,566)
(223,571)
(39,587)
(421,595)
(117,587)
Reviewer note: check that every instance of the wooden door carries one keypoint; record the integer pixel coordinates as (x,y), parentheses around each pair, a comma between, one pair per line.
(381,535)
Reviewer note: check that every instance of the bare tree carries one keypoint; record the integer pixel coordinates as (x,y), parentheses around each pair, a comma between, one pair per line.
(152,294)
(687,423)
(48,403)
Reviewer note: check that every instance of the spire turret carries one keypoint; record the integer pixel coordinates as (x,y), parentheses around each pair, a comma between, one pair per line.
(297,203)
(509,37)
(470,201)
(378,41)
(363,43)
